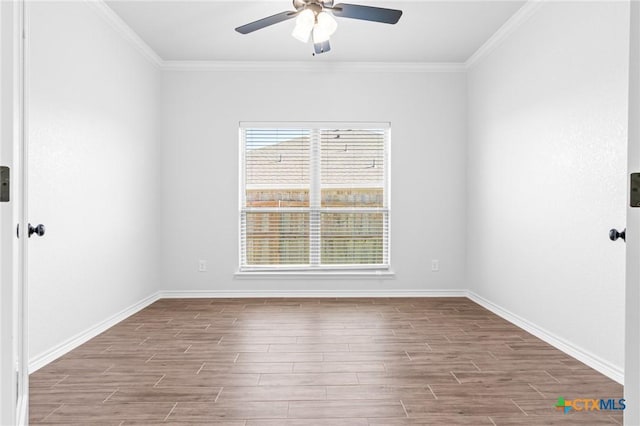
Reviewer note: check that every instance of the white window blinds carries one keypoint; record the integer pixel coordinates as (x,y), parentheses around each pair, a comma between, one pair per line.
(314,197)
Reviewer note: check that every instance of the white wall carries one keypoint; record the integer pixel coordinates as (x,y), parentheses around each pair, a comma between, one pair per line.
(94,157)
(547,174)
(201,111)
(544,146)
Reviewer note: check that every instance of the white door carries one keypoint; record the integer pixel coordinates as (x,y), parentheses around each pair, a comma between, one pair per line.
(13,343)
(632,296)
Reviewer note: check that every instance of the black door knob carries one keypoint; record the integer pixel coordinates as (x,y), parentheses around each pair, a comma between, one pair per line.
(614,234)
(38,230)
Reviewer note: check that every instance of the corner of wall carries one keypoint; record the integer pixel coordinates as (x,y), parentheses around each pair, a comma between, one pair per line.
(503,33)
(597,363)
(50,355)
(125,31)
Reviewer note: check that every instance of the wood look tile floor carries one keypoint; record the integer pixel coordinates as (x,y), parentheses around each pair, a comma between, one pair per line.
(418,361)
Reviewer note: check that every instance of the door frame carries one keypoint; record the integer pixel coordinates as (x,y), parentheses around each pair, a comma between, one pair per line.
(632,290)
(14,377)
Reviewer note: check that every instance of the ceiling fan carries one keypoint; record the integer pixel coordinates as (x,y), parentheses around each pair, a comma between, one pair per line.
(314,20)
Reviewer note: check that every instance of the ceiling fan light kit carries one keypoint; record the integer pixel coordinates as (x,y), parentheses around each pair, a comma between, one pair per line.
(324,28)
(315,19)
(304,24)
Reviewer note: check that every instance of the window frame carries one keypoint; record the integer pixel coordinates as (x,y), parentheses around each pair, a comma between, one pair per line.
(315,187)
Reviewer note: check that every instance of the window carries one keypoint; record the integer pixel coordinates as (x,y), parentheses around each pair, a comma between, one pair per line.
(314,197)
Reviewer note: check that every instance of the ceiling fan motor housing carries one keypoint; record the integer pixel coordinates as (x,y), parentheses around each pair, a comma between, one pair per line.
(315,5)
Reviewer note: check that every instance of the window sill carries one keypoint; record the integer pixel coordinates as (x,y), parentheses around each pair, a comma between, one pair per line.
(379,275)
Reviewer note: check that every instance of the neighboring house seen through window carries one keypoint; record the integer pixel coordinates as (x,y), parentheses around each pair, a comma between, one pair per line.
(314,196)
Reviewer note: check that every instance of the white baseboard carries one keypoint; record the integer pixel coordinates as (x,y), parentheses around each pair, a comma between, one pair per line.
(216,294)
(22,415)
(611,371)
(593,361)
(56,352)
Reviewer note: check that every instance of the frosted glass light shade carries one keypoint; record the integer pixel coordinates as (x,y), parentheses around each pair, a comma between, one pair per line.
(327,23)
(304,25)
(319,35)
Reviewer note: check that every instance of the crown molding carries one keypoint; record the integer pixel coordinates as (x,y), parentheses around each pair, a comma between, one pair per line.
(122,28)
(125,31)
(520,17)
(411,67)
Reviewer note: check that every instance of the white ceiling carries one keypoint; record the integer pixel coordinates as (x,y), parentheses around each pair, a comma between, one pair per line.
(429,31)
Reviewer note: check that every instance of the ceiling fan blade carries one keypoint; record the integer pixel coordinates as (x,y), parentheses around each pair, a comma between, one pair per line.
(322,47)
(265,22)
(367,13)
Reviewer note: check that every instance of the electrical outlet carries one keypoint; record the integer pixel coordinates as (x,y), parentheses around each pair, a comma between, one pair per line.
(435,265)
(202,265)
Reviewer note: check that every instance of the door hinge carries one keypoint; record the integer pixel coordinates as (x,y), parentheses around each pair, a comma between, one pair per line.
(5,184)
(634,194)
